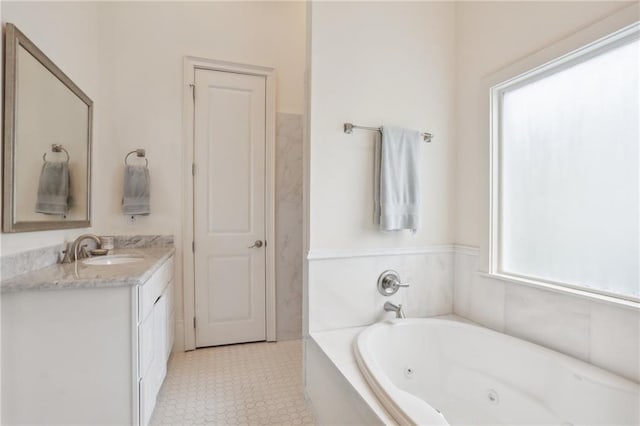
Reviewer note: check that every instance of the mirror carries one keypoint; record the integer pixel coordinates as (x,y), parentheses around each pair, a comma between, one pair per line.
(47,142)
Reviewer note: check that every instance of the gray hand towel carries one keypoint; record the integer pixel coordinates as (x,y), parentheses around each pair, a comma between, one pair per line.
(397,180)
(136,198)
(53,188)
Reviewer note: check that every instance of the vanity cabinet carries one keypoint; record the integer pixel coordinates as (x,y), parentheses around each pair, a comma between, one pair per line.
(87,355)
(155,339)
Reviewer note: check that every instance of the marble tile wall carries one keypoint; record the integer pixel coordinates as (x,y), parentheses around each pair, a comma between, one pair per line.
(343,293)
(602,334)
(289,134)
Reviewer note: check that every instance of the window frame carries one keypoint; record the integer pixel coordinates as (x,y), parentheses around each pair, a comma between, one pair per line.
(609,42)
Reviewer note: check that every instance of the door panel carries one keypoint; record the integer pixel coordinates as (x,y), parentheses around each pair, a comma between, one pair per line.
(228,305)
(229,207)
(229,158)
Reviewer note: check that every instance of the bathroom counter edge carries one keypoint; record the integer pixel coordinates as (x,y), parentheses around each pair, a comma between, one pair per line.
(62,276)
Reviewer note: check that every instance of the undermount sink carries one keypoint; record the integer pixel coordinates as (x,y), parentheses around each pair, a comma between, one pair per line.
(116,259)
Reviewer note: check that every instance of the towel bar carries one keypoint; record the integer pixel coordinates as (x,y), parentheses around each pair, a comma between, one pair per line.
(348,128)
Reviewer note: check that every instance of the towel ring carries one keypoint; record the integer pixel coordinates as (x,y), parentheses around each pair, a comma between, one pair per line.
(140,153)
(56,148)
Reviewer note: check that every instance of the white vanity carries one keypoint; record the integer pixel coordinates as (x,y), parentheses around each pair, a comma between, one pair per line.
(87,347)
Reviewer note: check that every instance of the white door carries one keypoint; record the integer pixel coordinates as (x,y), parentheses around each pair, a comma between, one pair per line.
(229,207)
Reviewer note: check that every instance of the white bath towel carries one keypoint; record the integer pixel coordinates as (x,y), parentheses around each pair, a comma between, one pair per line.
(397,179)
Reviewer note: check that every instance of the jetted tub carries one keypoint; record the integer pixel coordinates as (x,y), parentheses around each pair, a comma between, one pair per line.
(439,372)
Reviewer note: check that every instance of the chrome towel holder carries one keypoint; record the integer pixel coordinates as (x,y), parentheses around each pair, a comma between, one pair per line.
(140,153)
(348,129)
(56,148)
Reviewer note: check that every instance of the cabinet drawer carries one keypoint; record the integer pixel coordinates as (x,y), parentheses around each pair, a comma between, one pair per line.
(150,291)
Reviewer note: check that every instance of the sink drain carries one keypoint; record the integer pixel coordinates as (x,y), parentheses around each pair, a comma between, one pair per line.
(492,396)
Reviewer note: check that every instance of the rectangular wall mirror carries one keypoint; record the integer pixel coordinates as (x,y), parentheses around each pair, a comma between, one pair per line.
(47,142)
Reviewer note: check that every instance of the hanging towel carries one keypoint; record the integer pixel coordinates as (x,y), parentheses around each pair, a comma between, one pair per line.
(397,179)
(136,190)
(53,189)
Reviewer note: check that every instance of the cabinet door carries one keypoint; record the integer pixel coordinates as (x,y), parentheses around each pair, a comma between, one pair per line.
(155,336)
(160,321)
(170,319)
(147,401)
(153,375)
(148,343)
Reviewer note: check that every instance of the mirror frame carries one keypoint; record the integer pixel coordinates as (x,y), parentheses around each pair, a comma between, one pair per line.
(14,39)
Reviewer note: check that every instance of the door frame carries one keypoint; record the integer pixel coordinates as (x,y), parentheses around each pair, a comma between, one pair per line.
(191,63)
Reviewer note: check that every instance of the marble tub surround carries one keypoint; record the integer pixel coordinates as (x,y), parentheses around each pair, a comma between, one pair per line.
(343,292)
(27,261)
(334,385)
(603,334)
(289,134)
(63,276)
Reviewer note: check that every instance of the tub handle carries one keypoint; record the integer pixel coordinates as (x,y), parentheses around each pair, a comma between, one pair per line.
(389,283)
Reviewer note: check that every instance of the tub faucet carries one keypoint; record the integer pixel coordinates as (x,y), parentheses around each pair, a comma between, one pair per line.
(390,307)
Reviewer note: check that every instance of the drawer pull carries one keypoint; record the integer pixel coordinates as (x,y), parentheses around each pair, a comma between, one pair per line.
(157,300)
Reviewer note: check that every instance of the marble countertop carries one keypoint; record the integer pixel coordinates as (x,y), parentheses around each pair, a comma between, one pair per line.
(63,276)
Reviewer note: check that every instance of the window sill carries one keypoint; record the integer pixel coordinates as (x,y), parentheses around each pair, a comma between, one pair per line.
(557,288)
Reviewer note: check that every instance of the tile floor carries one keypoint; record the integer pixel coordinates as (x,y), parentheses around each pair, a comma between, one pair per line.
(248,384)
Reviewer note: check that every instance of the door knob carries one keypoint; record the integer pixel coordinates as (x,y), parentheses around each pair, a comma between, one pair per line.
(257,244)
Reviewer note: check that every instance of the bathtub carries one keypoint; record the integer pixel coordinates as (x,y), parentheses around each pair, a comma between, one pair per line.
(442,372)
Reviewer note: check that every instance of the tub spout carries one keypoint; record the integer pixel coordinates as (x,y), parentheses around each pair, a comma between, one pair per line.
(390,307)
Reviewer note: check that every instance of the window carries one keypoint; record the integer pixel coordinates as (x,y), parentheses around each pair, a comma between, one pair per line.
(565,180)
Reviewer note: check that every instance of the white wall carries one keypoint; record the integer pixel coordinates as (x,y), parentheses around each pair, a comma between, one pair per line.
(490,36)
(375,64)
(128,57)
(67,32)
(145,45)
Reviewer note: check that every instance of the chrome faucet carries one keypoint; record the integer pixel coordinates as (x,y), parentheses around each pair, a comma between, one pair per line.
(389,283)
(82,254)
(390,307)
